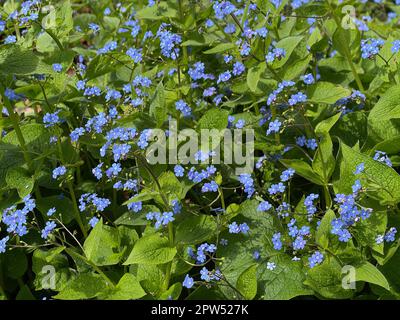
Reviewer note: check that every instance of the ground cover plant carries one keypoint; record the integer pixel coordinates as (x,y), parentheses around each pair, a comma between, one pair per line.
(88,93)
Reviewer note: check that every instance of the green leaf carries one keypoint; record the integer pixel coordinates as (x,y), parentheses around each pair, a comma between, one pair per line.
(367,230)
(254,74)
(285,281)
(222,47)
(326,92)
(106,63)
(10,157)
(128,236)
(351,128)
(385,178)
(214,119)
(42,263)
(102,246)
(346,41)
(173,292)
(152,249)
(172,188)
(83,286)
(238,255)
(157,105)
(150,276)
(322,235)
(324,161)
(62,204)
(15,263)
(247,282)
(388,106)
(369,273)
(304,169)
(383,123)
(195,229)
(289,44)
(14,60)
(128,288)
(162,9)
(326,280)
(390,271)
(20,179)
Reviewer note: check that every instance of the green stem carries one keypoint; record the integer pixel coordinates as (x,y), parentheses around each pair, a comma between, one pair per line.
(15,122)
(274,114)
(184,49)
(143,161)
(72,194)
(51,34)
(245,12)
(96,268)
(347,51)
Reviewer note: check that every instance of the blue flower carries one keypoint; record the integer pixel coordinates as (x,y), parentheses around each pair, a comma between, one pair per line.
(381,156)
(296,98)
(57,67)
(205,274)
(210,187)
(97,171)
(51,119)
(371,47)
(51,211)
(113,170)
(356,186)
(390,236)
(3,243)
(311,144)
(276,241)
(168,42)
(287,174)
(179,170)
(238,68)
(248,184)
(271,266)
(93,221)
(94,27)
(276,188)
(113,95)
(135,206)
(135,54)
(244,228)
(182,106)
(240,124)
(395,46)
(274,127)
(359,168)
(50,226)
(315,259)
(10,39)
(234,228)
(110,46)
(188,282)
(224,77)
(277,53)
(344,235)
(308,78)
(299,243)
(256,255)
(59,171)
(264,206)
(76,133)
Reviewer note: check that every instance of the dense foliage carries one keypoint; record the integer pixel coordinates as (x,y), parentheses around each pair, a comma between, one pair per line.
(84,214)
